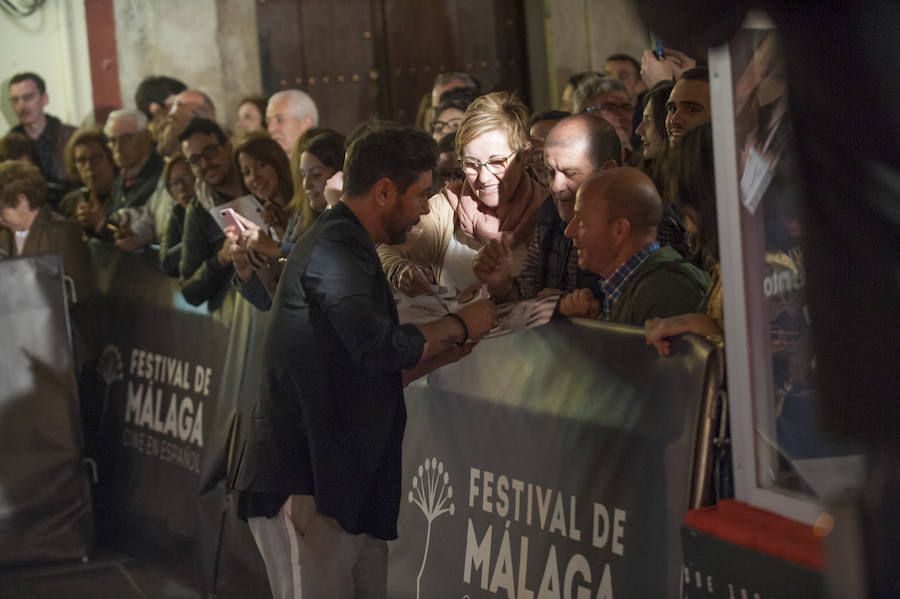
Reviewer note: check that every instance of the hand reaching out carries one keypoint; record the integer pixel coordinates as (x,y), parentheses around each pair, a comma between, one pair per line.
(670,67)
(493,267)
(480,317)
(659,330)
(581,303)
(415,280)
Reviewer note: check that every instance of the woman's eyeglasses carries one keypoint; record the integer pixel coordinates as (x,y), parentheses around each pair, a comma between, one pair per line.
(496,166)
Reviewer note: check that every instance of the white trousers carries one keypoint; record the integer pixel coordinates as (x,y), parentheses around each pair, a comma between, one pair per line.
(310,556)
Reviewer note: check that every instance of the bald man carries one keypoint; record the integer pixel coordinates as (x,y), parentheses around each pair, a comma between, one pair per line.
(575,148)
(614,231)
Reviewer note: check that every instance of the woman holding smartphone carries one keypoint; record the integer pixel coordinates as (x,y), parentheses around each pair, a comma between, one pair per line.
(253,250)
(266,173)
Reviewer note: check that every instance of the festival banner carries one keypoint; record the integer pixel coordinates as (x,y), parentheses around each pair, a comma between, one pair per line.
(171,383)
(555,462)
(551,462)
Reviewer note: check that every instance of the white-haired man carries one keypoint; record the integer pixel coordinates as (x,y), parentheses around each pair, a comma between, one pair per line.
(139,169)
(290,113)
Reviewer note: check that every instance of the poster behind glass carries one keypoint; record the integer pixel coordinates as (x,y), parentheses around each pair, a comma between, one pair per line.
(794,451)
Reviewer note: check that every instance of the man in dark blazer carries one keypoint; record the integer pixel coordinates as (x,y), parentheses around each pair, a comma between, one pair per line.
(319,475)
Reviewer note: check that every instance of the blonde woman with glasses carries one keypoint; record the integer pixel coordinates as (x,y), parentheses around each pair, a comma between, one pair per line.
(496,200)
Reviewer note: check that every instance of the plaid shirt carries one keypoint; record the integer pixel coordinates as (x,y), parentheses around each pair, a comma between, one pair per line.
(551,260)
(612,286)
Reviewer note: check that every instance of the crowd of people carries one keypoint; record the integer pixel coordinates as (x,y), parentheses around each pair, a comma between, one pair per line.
(607,201)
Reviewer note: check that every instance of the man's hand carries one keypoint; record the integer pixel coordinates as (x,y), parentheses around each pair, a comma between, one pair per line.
(91,214)
(493,267)
(415,280)
(670,67)
(240,256)
(334,187)
(448,356)
(126,239)
(480,317)
(580,302)
(659,330)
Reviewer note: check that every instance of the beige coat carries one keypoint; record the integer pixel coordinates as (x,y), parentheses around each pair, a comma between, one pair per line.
(427,243)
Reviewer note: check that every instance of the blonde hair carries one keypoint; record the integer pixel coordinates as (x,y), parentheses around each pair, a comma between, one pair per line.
(497,110)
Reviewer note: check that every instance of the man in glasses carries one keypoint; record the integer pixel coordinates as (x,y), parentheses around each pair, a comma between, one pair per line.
(155,217)
(205,260)
(609,98)
(139,170)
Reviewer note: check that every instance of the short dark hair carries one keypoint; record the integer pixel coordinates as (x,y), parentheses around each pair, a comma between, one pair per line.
(549,115)
(695,74)
(626,58)
(329,148)
(458,97)
(204,126)
(28,76)
(15,146)
(156,88)
(400,154)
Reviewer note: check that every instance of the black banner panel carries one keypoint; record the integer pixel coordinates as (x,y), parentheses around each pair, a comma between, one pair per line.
(45,500)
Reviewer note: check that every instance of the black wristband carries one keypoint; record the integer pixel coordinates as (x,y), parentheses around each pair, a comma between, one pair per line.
(462,322)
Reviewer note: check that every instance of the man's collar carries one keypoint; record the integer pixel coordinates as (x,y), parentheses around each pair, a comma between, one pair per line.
(136,170)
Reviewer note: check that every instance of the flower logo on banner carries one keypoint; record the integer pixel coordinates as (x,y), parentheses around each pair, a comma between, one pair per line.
(110,369)
(432,493)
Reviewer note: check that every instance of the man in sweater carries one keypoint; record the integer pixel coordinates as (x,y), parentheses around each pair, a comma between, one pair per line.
(28,96)
(614,230)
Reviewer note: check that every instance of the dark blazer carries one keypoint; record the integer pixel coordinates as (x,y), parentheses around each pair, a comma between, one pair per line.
(203,278)
(329,420)
(52,147)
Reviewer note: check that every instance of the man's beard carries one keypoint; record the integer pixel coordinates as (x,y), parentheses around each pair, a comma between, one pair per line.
(394,226)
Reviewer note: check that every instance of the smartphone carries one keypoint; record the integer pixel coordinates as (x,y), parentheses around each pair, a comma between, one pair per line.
(657,46)
(230,218)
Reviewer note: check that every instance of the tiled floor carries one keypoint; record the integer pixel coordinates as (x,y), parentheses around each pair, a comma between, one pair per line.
(106,577)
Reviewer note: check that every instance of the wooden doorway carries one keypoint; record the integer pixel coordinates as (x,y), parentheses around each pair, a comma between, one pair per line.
(364,58)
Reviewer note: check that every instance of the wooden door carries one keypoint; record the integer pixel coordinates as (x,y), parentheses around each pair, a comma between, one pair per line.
(364,58)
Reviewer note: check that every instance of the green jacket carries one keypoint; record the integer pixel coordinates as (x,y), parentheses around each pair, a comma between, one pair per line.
(662,286)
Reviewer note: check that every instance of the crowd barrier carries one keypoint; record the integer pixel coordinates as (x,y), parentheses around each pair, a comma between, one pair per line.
(45,500)
(560,459)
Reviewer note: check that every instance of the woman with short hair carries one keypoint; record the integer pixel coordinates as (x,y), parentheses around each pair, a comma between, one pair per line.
(90,161)
(32,228)
(496,200)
